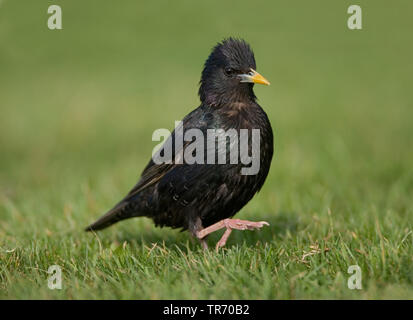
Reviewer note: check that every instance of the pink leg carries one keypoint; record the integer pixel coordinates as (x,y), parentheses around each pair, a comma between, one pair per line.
(230,224)
(204,244)
(223,239)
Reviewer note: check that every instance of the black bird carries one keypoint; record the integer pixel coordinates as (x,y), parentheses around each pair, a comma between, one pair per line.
(202,197)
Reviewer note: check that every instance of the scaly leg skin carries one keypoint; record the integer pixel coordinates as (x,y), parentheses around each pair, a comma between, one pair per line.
(204,244)
(195,227)
(229,224)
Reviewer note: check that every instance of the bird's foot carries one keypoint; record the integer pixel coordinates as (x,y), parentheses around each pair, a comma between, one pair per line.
(229,224)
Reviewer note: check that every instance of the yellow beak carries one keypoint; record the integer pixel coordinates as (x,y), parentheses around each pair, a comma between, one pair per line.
(254,77)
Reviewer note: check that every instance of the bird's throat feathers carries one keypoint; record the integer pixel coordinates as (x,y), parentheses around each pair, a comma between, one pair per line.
(234,98)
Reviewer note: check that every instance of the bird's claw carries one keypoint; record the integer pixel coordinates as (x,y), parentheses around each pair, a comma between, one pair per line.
(244,224)
(230,224)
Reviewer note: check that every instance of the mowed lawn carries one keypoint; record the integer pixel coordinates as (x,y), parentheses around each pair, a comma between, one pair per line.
(79,106)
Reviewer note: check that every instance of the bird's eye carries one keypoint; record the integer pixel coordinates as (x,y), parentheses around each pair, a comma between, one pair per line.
(228,71)
(250,73)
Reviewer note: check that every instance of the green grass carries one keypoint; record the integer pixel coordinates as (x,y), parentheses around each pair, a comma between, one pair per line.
(78,108)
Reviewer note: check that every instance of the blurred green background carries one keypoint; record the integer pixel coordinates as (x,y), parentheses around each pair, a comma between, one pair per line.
(79,105)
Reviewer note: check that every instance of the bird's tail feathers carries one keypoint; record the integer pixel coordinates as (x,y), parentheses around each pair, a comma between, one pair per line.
(119,212)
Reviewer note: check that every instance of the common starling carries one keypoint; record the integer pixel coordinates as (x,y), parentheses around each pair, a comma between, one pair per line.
(202,197)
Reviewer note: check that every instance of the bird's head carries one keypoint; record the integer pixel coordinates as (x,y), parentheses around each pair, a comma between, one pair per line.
(229,74)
